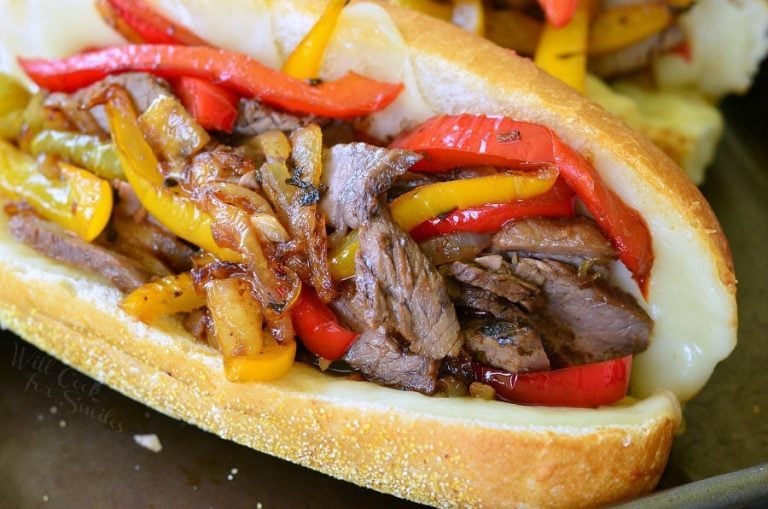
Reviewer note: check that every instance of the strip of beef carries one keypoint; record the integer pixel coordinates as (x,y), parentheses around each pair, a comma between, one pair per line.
(125,234)
(142,87)
(400,290)
(355,175)
(562,350)
(382,360)
(476,301)
(570,240)
(502,282)
(50,240)
(511,345)
(397,289)
(606,323)
(345,310)
(255,118)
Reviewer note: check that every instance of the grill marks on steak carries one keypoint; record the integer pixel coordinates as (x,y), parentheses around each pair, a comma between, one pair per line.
(512,345)
(383,360)
(50,240)
(400,290)
(355,175)
(578,320)
(604,322)
(502,282)
(397,289)
(570,240)
(400,300)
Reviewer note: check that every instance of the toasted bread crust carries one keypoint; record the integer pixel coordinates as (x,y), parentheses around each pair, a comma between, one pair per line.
(427,458)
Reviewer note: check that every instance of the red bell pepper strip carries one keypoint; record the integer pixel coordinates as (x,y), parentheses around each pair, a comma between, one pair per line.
(213,106)
(622,224)
(466,140)
(586,386)
(318,328)
(559,12)
(558,202)
(452,141)
(350,96)
(147,24)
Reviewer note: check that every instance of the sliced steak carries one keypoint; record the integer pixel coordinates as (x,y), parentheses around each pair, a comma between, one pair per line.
(511,345)
(475,300)
(255,118)
(502,282)
(571,240)
(558,342)
(124,233)
(399,290)
(606,323)
(344,307)
(355,174)
(382,360)
(50,240)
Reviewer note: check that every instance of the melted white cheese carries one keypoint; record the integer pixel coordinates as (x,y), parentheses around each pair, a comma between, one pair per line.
(228,27)
(386,58)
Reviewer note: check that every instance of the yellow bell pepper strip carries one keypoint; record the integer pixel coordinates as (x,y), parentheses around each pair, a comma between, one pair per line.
(469,15)
(175,211)
(341,259)
(84,150)
(13,95)
(77,200)
(431,7)
(622,26)
(11,124)
(272,363)
(427,202)
(562,52)
(164,296)
(305,60)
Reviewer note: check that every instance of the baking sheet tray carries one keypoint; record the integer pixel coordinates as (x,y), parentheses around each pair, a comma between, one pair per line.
(67,441)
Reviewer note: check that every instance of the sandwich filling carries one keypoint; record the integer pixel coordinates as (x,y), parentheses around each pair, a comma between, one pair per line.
(471,255)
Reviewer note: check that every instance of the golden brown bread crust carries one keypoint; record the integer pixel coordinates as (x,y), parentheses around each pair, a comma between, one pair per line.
(441,462)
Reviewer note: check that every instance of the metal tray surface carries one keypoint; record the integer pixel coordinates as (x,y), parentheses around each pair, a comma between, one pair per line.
(66,441)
